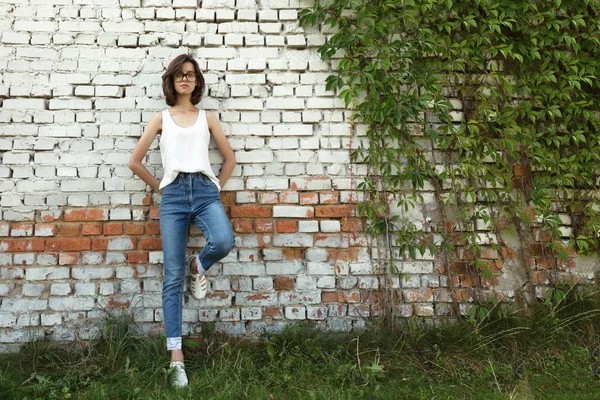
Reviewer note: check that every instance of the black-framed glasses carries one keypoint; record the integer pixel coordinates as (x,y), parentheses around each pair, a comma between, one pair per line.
(178,77)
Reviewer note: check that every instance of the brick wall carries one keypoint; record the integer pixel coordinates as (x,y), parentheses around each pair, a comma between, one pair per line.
(79,237)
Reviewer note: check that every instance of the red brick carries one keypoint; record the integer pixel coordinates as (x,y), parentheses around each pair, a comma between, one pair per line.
(351,225)
(283,283)
(370,296)
(70,230)
(42,227)
(151,244)
(469,280)
(265,226)
(7,245)
(309,198)
(116,303)
(88,214)
(251,211)
(329,297)
(343,254)
(464,295)
(134,229)
(286,226)
(545,262)
(113,229)
(228,198)
(137,257)
(352,296)
(521,169)
(537,249)
(71,258)
(418,295)
(540,277)
(263,240)
(243,226)
(487,282)
(272,312)
(329,197)
(291,254)
(488,252)
(68,244)
(154,213)
(99,244)
(334,211)
(23,245)
(50,217)
(152,228)
(91,229)
(147,200)
(508,253)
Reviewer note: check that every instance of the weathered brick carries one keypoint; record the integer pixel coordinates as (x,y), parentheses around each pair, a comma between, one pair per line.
(286,226)
(91,229)
(334,211)
(251,211)
(151,244)
(86,215)
(283,283)
(68,244)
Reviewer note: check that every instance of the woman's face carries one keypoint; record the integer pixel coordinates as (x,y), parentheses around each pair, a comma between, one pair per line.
(185,81)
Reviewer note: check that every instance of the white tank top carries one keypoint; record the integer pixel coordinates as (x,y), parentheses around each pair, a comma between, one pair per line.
(185,149)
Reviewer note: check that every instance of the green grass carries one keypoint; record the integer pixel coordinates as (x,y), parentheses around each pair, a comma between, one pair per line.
(541,355)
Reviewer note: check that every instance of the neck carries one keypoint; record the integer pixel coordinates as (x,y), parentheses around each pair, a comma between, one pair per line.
(184,103)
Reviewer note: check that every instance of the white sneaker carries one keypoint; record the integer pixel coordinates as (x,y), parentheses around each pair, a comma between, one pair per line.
(198,282)
(179,378)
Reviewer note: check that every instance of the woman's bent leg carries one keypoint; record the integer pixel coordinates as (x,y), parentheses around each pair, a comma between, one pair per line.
(210,217)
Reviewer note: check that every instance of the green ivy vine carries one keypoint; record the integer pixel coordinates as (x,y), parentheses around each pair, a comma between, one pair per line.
(487,108)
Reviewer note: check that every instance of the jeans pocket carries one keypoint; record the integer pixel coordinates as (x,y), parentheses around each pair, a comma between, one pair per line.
(206,181)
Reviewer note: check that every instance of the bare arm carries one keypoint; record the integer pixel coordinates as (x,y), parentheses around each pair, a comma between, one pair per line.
(226,151)
(141,149)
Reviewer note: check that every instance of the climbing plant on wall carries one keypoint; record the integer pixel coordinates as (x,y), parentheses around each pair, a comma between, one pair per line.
(489,106)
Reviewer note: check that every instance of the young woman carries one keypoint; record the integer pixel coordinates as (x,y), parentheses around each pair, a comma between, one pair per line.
(190,193)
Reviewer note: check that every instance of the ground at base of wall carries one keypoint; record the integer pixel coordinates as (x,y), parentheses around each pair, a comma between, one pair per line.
(552,352)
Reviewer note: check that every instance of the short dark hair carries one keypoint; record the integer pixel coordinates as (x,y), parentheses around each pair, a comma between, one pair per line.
(169,84)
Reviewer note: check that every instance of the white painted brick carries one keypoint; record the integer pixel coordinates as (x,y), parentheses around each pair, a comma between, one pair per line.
(18,305)
(27,104)
(85,289)
(60,289)
(267,183)
(293,211)
(253,269)
(35,26)
(51,319)
(293,240)
(36,274)
(276,41)
(319,268)
(30,319)
(295,312)
(270,28)
(415,267)
(15,37)
(330,226)
(32,289)
(71,304)
(326,282)
(87,273)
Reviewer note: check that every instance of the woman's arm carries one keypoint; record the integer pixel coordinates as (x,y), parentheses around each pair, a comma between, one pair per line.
(226,151)
(141,149)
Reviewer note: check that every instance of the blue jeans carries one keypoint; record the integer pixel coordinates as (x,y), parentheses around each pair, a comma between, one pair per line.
(191,197)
